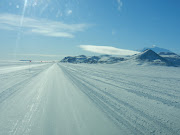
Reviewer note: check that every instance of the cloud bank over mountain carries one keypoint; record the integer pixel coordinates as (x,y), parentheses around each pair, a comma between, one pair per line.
(107,50)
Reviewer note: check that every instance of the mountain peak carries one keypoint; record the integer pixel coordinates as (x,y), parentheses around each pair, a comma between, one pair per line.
(151,56)
(156,49)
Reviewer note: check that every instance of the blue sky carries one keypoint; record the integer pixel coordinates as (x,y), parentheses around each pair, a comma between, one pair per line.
(52,29)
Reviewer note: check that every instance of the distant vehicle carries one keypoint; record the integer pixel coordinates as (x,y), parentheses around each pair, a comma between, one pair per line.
(26,60)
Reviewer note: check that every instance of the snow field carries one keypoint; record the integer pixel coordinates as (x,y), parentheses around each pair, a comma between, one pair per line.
(89,99)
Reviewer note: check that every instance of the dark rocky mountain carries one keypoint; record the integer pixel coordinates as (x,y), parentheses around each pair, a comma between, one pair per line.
(108,59)
(154,58)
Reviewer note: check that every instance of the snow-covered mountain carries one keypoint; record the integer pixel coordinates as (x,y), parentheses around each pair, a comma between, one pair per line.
(156,49)
(172,57)
(146,57)
(108,59)
(153,58)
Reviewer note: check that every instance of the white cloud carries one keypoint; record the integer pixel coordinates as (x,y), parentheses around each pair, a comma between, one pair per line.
(113,32)
(52,33)
(120,4)
(34,4)
(59,14)
(41,55)
(17,6)
(69,12)
(40,26)
(107,50)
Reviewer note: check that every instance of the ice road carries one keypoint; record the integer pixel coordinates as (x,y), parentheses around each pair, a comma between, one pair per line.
(85,99)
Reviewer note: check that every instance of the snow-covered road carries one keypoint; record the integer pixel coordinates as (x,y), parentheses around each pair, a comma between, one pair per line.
(80,99)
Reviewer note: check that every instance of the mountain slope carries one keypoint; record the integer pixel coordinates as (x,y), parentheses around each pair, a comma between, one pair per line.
(152,57)
(108,59)
(172,57)
(146,57)
(156,49)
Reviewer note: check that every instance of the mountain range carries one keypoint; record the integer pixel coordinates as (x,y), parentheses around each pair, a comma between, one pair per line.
(155,56)
(108,59)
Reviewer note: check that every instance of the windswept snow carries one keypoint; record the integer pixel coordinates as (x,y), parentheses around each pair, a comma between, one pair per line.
(8,69)
(85,99)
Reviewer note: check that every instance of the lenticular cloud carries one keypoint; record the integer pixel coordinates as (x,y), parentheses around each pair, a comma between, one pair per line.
(107,50)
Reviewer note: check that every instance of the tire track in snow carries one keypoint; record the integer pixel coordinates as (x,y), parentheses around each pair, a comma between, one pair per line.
(5,94)
(24,123)
(104,102)
(131,88)
(115,78)
(102,105)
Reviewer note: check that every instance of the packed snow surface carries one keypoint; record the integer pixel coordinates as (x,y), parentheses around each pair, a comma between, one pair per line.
(89,99)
